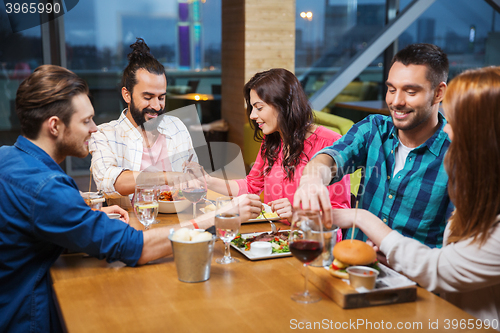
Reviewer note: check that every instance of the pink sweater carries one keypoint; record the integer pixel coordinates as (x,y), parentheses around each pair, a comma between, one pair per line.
(275,185)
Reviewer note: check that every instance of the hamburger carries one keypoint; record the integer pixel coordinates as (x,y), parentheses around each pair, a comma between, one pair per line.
(351,253)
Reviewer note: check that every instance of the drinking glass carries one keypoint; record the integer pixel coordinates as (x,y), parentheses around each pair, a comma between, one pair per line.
(306,244)
(227,225)
(195,190)
(146,204)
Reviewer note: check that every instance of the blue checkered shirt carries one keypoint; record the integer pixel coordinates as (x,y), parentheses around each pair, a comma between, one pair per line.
(415,201)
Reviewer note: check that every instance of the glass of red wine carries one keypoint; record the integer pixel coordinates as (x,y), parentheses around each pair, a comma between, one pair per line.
(195,190)
(306,244)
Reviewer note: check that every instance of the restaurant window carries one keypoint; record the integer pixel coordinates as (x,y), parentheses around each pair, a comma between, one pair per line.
(468,31)
(20,54)
(329,33)
(335,31)
(184,35)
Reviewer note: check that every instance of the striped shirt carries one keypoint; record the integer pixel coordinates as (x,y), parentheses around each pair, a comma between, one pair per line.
(415,201)
(118,146)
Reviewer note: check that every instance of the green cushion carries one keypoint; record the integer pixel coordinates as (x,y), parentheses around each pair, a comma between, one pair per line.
(330,120)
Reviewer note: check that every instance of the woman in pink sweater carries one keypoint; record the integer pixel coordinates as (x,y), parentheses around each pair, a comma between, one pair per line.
(283,120)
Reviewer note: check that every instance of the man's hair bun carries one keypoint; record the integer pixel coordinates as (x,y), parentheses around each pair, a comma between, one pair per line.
(139,50)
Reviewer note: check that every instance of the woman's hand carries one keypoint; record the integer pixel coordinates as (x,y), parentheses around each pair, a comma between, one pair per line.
(117,210)
(368,223)
(283,208)
(250,206)
(344,217)
(380,255)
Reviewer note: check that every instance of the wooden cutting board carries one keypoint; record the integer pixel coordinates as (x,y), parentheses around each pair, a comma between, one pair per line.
(348,298)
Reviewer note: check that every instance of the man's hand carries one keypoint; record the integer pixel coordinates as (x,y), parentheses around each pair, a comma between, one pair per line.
(117,210)
(312,193)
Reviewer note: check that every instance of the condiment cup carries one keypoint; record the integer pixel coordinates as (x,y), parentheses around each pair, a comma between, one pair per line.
(114,215)
(362,276)
(261,248)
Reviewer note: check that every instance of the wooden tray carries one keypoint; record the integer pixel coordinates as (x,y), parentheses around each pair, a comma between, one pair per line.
(348,298)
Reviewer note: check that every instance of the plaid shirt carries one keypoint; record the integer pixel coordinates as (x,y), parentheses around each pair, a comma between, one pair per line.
(415,201)
(118,146)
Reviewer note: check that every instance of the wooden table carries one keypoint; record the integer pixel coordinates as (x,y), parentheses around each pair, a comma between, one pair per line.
(366,106)
(249,296)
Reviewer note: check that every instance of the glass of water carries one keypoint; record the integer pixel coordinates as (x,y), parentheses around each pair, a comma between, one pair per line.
(227,225)
(146,204)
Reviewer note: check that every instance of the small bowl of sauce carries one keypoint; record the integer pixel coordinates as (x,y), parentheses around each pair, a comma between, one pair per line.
(362,276)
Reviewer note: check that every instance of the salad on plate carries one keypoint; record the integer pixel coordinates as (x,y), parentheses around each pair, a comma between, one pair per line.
(278,240)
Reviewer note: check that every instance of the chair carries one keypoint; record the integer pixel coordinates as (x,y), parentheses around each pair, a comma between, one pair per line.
(193,85)
(332,122)
(341,126)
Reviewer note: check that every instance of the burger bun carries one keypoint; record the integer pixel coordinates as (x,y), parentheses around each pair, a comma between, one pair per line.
(339,274)
(354,252)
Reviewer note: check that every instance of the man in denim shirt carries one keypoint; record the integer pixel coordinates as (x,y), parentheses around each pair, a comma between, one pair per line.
(41,209)
(405,183)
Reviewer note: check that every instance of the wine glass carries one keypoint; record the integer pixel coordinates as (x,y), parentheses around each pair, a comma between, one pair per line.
(227,225)
(146,204)
(195,190)
(306,244)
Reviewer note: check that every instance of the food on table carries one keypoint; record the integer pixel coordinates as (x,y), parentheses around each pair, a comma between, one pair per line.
(351,253)
(181,235)
(209,208)
(266,215)
(201,236)
(171,196)
(278,240)
(191,235)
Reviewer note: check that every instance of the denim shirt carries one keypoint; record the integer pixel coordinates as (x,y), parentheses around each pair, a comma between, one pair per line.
(41,213)
(415,201)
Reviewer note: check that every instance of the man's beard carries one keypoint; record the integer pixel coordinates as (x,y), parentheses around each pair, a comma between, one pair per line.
(140,116)
(71,146)
(418,117)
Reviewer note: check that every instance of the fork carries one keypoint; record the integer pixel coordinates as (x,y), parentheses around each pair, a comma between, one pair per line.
(273,226)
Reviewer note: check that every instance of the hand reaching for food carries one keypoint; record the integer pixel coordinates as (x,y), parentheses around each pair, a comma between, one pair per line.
(283,208)
(250,206)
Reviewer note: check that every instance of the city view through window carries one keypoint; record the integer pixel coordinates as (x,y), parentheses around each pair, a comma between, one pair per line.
(185,35)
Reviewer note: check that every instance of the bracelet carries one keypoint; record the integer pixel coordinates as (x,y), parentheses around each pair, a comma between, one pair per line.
(194,224)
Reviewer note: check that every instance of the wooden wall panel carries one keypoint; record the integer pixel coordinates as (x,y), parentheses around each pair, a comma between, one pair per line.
(256,35)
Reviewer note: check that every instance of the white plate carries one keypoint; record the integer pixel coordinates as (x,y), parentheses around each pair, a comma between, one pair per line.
(257,257)
(170,207)
(266,208)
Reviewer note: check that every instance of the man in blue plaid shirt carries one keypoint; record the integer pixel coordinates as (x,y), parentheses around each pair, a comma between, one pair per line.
(405,183)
